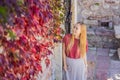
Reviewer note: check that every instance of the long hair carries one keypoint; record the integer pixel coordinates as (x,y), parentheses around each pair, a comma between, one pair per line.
(83,40)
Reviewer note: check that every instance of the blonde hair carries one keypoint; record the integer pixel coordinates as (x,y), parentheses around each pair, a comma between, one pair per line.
(83,40)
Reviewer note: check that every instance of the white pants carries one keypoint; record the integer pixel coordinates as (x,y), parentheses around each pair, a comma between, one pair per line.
(75,69)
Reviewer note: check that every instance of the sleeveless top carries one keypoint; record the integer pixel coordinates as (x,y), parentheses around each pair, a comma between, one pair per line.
(74,51)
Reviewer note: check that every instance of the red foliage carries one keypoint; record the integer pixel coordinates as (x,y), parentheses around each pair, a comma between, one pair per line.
(33,34)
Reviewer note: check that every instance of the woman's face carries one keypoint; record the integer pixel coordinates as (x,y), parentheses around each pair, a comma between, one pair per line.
(77,29)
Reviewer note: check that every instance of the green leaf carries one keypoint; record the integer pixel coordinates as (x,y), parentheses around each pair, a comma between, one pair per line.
(20,2)
(11,34)
(3,11)
(97,4)
(61,15)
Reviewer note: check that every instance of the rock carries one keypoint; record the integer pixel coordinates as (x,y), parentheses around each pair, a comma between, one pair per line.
(117,31)
(94,7)
(85,13)
(111,53)
(117,76)
(92,48)
(119,53)
(91,22)
(95,38)
(90,32)
(106,6)
(102,31)
(116,19)
(91,70)
(105,39)
(115,7)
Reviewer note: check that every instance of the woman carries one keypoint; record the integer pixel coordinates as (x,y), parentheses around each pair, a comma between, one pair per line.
(74,51)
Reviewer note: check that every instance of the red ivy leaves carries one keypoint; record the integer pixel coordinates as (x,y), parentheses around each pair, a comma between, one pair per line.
(35,34)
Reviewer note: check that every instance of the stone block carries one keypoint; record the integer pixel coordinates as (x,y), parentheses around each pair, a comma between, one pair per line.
(116,18)
(91,22)
(57,64)
(112,51)
(106,6)
(101,74)
(102,31)
(115,64)
(95,38)
(86,13)
(91,56)
(94,7)
(103,64)
(102,51)
(115,74)
(91,70)
(90,32)
(119,53)
(103,58)
(117,31)
(92,48)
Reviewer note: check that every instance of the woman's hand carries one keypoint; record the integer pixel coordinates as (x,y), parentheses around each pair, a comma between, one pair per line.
(65,67)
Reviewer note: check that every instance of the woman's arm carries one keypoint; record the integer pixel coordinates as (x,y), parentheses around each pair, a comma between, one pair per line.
(85,60)
(64,57)
(86,66)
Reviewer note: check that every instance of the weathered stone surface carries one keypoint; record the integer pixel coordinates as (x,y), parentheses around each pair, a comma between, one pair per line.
(102,39)
(104,32)
(91,70)
(101,64)
(115,7)
(94,7)
(102,52)
(108,45)
(90,32)
(92,49)
(112,51)
(57,62)
(119,52)
(95,41)
(108,12)
(101,74)
(115,74)
(105,39)
(47,74)
(117,31)
(100,8)
(102,67)
(115,64)
(114,70)
(91,56)
(116,18)
(85,13)
(106,6)
(103,58)
(91,22)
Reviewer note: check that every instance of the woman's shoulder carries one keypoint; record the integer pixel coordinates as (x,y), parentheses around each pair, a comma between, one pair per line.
(68,35)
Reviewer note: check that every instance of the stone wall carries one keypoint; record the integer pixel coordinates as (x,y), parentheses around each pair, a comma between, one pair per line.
(100,37)
(54,71)
(95,10)
(100,16)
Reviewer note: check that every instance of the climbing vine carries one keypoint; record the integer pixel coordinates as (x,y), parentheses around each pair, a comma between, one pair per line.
(28,31)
